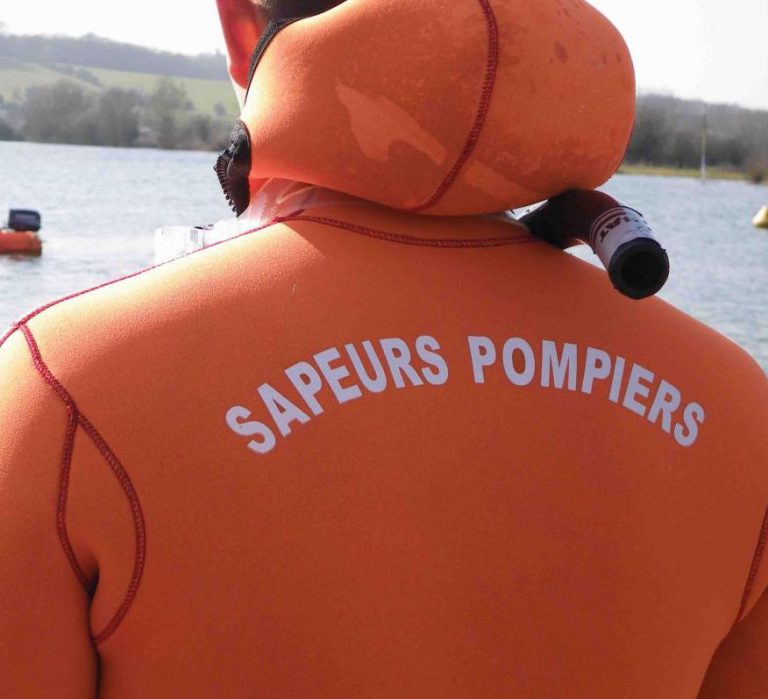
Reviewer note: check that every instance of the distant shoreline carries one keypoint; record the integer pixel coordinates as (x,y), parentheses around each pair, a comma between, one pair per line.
(713,173)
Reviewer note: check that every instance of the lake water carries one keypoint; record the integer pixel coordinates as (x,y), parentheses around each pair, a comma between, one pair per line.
(100,208)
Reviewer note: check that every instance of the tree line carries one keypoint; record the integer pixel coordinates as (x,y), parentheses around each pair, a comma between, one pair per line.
(668,132)
(64,112)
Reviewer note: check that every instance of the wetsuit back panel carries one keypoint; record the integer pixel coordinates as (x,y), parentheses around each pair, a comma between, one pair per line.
(361,453)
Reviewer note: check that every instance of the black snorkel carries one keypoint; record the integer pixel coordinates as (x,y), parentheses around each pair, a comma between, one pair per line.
(636,263)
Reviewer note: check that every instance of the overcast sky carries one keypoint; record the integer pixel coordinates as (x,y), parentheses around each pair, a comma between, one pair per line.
(715,50)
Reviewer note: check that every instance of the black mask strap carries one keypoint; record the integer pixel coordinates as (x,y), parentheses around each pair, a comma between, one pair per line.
(271,31)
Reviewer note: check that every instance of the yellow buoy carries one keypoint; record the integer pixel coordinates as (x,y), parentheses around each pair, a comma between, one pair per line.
(761,220)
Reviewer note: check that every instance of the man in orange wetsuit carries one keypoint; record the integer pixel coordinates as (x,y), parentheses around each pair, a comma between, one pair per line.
(390,445)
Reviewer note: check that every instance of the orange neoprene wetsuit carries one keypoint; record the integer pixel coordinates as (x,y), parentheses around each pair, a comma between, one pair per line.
(362,453)
(369,452)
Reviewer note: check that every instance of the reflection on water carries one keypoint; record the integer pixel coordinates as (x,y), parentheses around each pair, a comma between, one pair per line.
(101,206)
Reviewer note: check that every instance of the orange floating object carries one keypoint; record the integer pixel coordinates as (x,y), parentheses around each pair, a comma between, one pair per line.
(20,243)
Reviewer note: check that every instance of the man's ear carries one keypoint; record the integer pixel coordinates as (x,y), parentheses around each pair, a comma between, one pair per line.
(243,23)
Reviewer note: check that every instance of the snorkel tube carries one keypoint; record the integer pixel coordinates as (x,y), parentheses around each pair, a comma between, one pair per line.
(636,263)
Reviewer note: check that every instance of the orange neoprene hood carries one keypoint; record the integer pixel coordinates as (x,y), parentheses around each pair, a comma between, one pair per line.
(460,107)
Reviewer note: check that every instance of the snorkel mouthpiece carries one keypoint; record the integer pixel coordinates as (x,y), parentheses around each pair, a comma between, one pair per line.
(636,263)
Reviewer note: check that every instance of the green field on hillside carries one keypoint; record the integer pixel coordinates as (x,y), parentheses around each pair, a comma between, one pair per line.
(205,94)
(16,78)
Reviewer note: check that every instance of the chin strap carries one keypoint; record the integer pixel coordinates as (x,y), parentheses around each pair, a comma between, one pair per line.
(271,31)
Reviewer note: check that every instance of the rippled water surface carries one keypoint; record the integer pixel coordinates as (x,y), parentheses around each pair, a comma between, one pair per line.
(100,207)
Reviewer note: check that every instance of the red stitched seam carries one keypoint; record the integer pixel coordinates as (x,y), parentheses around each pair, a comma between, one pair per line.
(138,522)
(393,237)
(66,457)
(482,110)
(424,242)
(756,560)
(75,294)
(76,417)
(61,508)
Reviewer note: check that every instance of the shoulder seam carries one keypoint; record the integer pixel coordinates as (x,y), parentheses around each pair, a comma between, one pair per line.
(298,216)
(413,240)
(73,295)
(140,553)
(762,542)
(78,419)
(66,457)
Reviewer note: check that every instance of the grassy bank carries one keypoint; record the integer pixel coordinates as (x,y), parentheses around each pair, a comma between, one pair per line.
(713,173)
(16,78)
